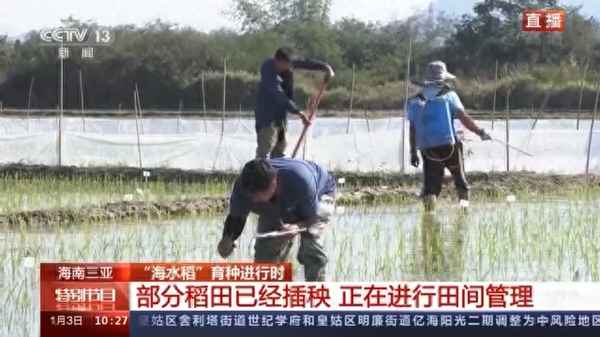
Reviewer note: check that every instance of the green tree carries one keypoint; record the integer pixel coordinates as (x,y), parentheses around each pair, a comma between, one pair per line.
(255,15)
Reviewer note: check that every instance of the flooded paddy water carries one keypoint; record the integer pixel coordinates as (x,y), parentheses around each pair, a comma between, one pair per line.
(550,240)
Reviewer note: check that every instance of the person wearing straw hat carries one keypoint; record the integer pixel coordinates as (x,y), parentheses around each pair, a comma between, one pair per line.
(431,114)
(291,197)
(275,100)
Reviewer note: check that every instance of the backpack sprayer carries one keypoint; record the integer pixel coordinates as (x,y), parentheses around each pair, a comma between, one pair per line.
(435,128)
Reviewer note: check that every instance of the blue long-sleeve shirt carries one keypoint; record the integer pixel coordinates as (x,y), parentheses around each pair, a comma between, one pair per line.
(300,186)
(276,91)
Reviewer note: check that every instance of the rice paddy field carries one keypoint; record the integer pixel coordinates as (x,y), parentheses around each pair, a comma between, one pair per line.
(39,193)
(541,238)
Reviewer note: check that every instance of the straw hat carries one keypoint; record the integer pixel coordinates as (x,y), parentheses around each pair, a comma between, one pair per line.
(435,73)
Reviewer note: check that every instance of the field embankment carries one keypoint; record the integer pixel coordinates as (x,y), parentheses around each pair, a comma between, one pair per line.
(359,188)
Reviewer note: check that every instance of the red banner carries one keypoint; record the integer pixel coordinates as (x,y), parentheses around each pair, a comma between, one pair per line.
(543,20)
(92,299)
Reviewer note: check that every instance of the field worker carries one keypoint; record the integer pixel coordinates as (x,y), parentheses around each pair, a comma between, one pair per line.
(289,196)
(276,98)
(431,114)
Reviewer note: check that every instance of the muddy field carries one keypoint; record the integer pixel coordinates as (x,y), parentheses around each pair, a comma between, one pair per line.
(505,181)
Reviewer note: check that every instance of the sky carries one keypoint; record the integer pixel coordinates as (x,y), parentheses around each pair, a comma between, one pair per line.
(21,16)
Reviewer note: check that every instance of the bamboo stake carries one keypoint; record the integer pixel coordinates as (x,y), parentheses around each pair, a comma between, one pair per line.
(495,95)
(542,107)
(508,130)
(531,111)
(589,148)
(1,107)
(367,121)
(139,108)
(307,138)
(406,87)
(312,112)
(29,102)
(240,122)
(179,117)
(204,105)
(61,107)
(222,113)
(137,128)
(581,94)
(351,99)
(82,99)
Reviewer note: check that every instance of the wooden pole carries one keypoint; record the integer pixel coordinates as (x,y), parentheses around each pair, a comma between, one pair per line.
(367,121)
(179,117)
(137,127)
(508,129)
(139,108)
(589,148)
(495,95)
(222,113)
(542,107)
(581,94)
(307,138)
(82,100)
(312,112)
(29,102)
(406,93)
(204,105)
(240,114)
(351,98)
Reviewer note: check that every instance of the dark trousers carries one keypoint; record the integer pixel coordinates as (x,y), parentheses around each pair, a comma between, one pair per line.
(271,140)
(435,160)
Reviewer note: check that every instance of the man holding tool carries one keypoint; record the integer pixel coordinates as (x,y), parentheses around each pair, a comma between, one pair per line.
(276,98)
(431,114)
(291,197)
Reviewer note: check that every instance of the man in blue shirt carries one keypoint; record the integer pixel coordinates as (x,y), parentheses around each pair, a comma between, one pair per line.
(431,114)
(287,195)
(276,98)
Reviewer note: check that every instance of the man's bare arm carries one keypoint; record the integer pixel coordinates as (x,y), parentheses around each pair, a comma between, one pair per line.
(470,124)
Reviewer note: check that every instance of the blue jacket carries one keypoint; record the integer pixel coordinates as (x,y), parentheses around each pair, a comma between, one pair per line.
(301,184)
(276,91)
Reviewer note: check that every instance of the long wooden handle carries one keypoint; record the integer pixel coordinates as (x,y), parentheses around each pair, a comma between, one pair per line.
(312,111)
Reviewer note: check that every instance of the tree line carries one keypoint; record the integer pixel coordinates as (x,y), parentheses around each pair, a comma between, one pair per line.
(168,62)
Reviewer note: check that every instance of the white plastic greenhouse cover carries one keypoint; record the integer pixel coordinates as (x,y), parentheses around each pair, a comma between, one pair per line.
(194,144)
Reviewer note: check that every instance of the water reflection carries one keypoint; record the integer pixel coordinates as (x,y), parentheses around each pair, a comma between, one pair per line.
(441,250)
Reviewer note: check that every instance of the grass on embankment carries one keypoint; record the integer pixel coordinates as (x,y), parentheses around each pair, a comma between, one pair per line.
(41,195)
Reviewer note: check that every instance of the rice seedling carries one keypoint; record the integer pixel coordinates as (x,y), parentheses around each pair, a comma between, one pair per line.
(523,237)
(34,193)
